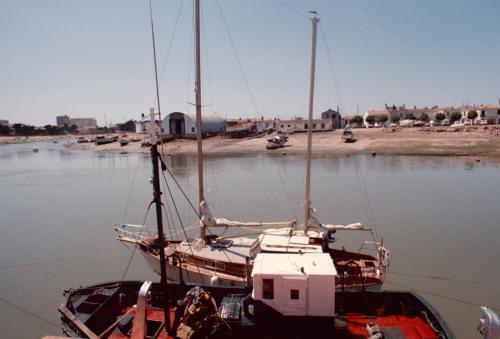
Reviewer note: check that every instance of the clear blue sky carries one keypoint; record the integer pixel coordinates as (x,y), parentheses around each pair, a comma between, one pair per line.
(93,58)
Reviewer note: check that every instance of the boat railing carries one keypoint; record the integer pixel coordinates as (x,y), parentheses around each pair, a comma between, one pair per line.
(382,253)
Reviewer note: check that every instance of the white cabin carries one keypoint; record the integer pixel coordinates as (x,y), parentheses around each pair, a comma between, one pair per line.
(295,284)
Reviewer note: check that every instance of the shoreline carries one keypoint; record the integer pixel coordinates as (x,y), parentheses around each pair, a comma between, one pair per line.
(472,141)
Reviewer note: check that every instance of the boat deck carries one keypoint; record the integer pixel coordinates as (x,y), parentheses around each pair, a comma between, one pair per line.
(393,326)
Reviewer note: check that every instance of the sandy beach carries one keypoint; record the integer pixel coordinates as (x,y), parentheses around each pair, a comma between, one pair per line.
(432,141)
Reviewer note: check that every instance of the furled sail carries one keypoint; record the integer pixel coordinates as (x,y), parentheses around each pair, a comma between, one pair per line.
(208,220)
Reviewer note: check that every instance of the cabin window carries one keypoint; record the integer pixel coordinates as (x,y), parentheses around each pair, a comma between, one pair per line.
(322,126)
(208,263)
(498,112)
(220,265)
(192,129)
(314,126)
(306,126)
(268,288)
(483,113)
(294,294)
(282,126)
(289,125)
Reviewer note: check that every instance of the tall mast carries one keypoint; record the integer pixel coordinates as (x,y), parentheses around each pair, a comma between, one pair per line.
(155,135)
(159,221)
(307,202)
(199,132)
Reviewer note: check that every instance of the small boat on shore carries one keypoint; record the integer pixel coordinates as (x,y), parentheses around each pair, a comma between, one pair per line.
(102,140)
(124,142)
(82,140)
(276,142)
(348,135)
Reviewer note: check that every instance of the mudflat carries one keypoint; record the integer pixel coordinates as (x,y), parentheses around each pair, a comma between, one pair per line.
(428,141)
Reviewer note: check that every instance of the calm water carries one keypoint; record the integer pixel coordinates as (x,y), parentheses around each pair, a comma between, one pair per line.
(440,217)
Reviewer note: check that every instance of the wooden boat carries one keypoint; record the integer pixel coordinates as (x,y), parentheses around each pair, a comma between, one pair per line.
(124,142)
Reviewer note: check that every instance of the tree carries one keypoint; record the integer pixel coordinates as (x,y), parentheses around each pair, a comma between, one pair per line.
(128,126)
(410,116)
(439,117)
(370,119)
(52,130)
(455,116)
(358,120)
(424,117)
(72,128)
(4,130)
(395,118)
(472,115)
(382,119)
(22,129)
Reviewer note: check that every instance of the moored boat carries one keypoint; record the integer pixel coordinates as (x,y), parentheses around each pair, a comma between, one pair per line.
(292,297)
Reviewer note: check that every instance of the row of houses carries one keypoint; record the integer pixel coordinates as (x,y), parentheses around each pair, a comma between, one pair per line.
(183,125)
(488,113)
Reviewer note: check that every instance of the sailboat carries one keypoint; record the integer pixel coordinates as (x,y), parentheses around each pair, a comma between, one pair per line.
(217,261)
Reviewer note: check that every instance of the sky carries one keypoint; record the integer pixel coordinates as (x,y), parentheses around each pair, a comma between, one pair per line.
(94,58)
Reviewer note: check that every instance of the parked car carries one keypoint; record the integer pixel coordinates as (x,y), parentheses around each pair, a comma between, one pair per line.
(406,123)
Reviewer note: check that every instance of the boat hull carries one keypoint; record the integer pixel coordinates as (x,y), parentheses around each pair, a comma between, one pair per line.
(99,306)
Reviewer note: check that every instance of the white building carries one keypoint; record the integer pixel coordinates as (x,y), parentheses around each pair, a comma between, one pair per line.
(491,113)
(266,124)
(183,125)
(301,125)
(84,123)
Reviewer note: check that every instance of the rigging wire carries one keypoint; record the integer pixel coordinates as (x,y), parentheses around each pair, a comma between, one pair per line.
(293,9)
(182,226)
(284,188)
(366,201)
(332,68)
(170,223)
(190,59)
(442,296)
(135,247)
(238,59)
(182,191)
(154,56)
(436,277)
(131,191)
(36,263)
(32,314)
(164,66)
(206,65)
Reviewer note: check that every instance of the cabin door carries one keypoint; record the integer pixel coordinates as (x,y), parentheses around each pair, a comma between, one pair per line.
(294,296)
